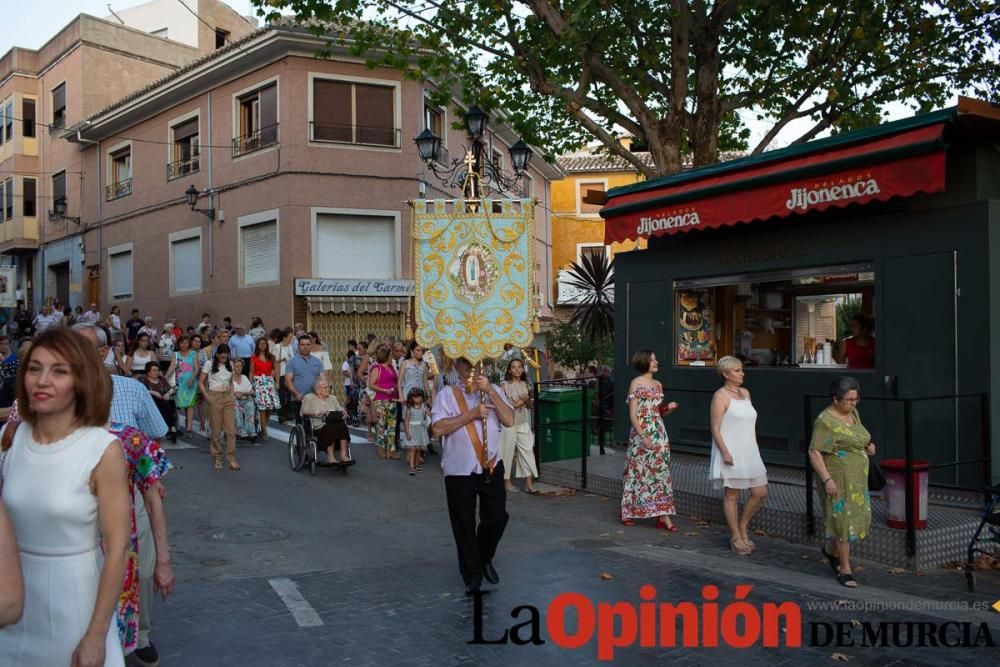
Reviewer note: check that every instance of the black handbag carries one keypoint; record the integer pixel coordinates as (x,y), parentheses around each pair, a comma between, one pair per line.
(876,480)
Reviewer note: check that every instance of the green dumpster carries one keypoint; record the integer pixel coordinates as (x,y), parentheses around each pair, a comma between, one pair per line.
(560,413)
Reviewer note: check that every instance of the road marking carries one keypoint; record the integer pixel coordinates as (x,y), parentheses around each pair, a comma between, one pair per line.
(301,610)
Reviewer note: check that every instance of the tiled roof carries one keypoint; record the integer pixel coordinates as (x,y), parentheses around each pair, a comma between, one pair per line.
(197,62)
(590,162)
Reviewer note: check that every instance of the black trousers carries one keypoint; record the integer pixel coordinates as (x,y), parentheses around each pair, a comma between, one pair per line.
(476,546)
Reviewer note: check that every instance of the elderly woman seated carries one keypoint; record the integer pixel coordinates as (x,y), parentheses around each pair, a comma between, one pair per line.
(328,429)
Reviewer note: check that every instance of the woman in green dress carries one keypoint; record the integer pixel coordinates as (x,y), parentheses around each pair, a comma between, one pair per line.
(187,380)
(839,454)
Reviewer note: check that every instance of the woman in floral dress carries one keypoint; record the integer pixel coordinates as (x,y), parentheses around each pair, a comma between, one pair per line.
(187,380)
(839,453)
(648,488)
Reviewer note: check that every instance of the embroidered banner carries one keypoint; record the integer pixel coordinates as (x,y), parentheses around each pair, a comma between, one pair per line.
(475,275)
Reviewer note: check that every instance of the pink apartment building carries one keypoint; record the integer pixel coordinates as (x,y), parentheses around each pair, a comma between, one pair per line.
(303,167)
(86,66)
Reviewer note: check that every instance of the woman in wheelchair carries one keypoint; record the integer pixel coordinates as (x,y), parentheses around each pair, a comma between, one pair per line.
(326,416)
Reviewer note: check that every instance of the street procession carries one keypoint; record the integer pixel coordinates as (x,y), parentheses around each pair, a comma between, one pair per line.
(460,333)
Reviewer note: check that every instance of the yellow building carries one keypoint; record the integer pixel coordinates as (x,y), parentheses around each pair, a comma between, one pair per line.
(577,228)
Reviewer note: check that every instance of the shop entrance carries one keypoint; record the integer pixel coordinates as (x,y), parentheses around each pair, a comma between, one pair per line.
(917,338)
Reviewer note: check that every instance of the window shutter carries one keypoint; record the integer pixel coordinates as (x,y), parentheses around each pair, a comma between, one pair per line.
(28,196)
(355,247)
(188,128)
(260,253)
(59,97)
(331,111)
(187,265)
(268,109)
(121,274)
(376,117)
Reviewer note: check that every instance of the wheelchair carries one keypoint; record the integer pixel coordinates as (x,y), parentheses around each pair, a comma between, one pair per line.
(986,539)
(303,449)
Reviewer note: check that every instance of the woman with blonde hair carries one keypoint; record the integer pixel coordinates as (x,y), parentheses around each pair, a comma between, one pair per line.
(74,537)
(736,462)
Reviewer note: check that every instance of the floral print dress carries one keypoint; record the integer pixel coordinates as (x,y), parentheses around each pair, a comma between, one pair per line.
(648,488)
(848,514)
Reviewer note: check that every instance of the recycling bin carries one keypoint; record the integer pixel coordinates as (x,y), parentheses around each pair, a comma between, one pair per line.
(560,415)
(895,492)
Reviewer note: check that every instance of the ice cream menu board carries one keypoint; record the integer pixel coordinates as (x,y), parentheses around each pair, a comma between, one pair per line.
(695,326)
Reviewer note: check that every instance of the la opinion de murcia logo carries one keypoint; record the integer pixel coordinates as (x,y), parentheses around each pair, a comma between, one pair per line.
(687,217)
(802,198)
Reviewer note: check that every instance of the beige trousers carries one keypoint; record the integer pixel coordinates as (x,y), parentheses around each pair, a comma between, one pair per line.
(517,442)
(222,418)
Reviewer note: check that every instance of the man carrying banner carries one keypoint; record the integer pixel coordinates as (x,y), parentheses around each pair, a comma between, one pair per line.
(473,469)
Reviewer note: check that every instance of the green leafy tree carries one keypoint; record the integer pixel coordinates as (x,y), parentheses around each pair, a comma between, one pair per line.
(571,347)
(679,75)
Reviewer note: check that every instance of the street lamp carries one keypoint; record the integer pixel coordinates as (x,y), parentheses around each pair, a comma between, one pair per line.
(58,211)
(475,169)
(191,195)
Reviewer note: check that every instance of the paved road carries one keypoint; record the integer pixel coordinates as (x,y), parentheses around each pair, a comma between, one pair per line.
(283,569)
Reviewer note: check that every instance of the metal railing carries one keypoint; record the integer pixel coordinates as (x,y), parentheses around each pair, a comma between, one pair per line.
(263,138)
(119,189)
(911,520)
(361,135)
(183,167)
(590,387)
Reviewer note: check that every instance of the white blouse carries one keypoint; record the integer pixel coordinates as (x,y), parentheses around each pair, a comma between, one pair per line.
(221,380)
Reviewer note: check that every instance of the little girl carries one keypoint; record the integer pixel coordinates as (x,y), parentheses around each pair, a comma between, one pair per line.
(415,427)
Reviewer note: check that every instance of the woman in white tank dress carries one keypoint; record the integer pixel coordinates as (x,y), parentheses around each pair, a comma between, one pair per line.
(64,485)
(736,462)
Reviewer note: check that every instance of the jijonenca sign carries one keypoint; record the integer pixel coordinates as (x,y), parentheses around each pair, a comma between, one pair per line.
(335,287)
(803,198)
(672,220)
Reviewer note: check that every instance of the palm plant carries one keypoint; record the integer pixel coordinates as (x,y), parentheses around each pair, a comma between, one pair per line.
(594,278)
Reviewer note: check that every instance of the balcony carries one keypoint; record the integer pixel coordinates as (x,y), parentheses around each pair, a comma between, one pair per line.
(117,190)
(183,167)
(571,296)
(19,235)
(358,135)
(263,138)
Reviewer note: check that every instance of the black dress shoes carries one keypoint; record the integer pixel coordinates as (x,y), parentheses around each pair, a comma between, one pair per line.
(490,573)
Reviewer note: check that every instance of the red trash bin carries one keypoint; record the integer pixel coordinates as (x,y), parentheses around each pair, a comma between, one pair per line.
(895,492)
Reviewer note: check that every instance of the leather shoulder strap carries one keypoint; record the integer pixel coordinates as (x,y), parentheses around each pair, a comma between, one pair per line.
(8,435)
(470,428)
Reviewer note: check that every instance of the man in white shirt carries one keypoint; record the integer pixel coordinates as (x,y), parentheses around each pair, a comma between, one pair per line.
(92,316)
(204,326)
(46,319)
(473,470)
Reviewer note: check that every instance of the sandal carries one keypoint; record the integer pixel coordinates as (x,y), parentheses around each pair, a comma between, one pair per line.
(218,464)
(413,471)
(628,522)
(847,581)
(743,550)
(834,561)
(233,465)
(394,455)
(672,528)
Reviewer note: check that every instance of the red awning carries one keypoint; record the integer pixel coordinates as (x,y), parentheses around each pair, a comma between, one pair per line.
(898,165)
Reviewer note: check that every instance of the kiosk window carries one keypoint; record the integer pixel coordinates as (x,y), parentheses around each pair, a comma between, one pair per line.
(776,319)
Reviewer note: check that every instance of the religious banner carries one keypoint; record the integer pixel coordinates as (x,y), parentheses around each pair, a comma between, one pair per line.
(475,275)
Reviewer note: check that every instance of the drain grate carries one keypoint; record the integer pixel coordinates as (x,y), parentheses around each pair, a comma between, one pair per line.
(242,534)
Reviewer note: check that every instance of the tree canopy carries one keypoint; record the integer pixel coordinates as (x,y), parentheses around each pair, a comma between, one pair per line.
(680,76)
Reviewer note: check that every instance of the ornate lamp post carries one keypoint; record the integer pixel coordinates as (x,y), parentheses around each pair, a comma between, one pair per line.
(475,170)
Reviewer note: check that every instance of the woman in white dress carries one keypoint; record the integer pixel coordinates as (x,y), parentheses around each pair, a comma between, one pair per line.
(736,462)
(71,584)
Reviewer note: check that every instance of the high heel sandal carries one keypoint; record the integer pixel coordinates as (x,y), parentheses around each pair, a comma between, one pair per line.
(743,550)
(672,528)
(218,463)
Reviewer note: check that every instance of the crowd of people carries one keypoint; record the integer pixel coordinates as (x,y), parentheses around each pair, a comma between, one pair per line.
(90,397)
